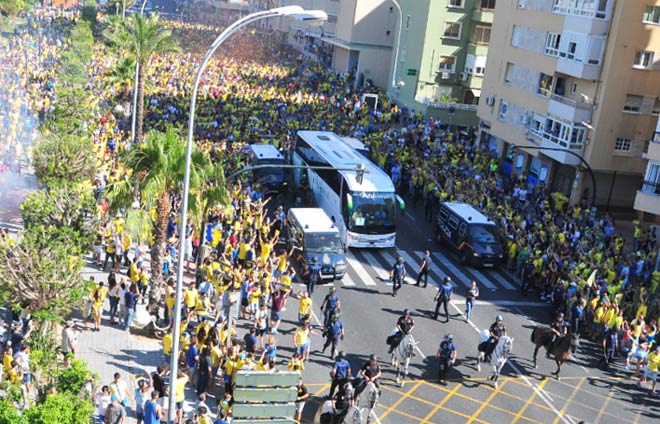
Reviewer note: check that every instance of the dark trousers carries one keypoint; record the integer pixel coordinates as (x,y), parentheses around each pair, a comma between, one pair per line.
(331,341)
(441,301)
(423,275)
(444,368)
(310,286)
(396,284)
(337,382)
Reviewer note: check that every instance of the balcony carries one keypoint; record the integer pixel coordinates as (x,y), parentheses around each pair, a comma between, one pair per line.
(596,9)
(648,198)
(577,69)
(446,106)
(653,152)
(483,15)
(549,141)
(569,109)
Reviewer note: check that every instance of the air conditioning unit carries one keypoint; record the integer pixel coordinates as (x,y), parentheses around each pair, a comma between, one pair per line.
(464,76)
(445,75)
(524,119)
(490,101)
(521,4)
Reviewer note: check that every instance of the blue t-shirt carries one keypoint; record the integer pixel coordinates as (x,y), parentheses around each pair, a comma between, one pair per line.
(250,342)
(332,301)
(335,328)
(271,351)
(151,413)
(341,368)
(190,355)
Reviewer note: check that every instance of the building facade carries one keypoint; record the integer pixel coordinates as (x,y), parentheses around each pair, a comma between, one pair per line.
(442,57)
(569,80)
(647,199)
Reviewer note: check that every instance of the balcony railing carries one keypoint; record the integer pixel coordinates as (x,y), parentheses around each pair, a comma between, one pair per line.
(570,102)
(585,8)
(651,187)
(445,105)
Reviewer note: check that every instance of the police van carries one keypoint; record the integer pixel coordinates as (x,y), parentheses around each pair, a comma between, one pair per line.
(273,180)
(470,233)
(314,232)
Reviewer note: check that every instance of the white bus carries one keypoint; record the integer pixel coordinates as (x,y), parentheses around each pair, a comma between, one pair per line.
(365,213)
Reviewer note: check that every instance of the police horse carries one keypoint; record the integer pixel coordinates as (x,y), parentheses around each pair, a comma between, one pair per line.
(560,350)
(401,356)
(499,356)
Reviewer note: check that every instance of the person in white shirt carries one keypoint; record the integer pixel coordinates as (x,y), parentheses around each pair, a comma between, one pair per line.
(102,402)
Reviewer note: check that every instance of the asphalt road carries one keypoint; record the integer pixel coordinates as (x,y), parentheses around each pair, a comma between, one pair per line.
(369,313)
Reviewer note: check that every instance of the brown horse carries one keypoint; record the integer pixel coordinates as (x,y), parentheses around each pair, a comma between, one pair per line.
(561,350)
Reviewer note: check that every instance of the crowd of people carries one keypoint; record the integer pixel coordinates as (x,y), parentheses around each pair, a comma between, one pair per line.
(570,257)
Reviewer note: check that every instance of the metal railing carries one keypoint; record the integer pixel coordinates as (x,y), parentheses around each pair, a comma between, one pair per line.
(570,102)
(446,105)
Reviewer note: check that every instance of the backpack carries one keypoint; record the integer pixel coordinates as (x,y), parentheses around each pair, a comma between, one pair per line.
(445,352)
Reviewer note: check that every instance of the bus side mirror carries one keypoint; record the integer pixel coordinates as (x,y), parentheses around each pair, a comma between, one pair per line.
(401,203)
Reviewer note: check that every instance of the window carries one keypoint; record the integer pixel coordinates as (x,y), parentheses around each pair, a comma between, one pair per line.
(633,103)
(447,63)
(332,19)
(481,35)
(545,85)
(456,3)
(656,106)
(480,65)
(536,127)
(515,36)
(508,74)
(552,44)
(643,60)
(652,179)
(504,106)
(572,47)
(488,4)
(652,15)
(623,144)
(407,22)
(453,30)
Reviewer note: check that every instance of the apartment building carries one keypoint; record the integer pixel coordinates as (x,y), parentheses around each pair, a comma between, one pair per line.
(357,37)
(569,80)
(647,198)
(442,57)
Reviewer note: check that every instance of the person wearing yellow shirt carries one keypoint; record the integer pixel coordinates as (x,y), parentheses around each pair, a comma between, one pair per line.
(202,306)
(296,364)
(304,306)
(254,296)
(133,271)
(179,394)
(190,296)
(267,246)
(651,369)
(300,337)
(167,345)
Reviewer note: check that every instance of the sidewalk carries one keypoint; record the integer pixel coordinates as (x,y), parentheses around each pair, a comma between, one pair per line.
(112,350)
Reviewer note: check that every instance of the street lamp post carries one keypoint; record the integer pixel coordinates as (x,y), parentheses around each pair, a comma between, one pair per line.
(396,51)
(295,12)
(584,162)
(135,86)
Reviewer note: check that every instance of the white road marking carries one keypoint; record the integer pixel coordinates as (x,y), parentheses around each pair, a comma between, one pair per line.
(441,259)
(539,391)
(382,273)
(411,264)
(510,303)
(483,280)
(359,269)
(375,416)
(412,218)
(347,281)
(503,281)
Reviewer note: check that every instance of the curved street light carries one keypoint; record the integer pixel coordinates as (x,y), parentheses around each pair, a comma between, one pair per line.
(312,17)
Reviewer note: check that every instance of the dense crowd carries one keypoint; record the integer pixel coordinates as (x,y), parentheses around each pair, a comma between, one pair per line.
(569,256)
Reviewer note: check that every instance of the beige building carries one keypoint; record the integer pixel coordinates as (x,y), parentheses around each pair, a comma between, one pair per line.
(357,37)
(579,76)
(647,199)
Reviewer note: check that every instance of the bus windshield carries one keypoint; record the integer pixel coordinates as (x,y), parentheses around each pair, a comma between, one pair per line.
(322,242)
(372,213)
(483,234)
(263,172)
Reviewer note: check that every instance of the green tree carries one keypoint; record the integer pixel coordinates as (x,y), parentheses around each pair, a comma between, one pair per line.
(158,167)
(121,77)
(60,160)
(60,408)
(42,270)
(63,206)
(9,414)
(142,38)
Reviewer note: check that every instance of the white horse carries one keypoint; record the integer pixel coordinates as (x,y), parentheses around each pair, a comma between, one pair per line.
(401,357)
(500,354)
(367,401)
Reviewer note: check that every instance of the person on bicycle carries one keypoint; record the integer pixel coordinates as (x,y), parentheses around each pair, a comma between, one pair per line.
(330,306)
(497,330)
(370,371)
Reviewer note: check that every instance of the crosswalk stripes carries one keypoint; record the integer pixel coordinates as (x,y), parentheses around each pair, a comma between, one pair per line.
(500,279)
(483,280)
(382,273)
(369,267)
(359,269)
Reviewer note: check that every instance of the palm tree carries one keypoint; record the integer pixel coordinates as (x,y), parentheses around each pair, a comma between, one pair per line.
(141,37)
(157,170)
(121,77)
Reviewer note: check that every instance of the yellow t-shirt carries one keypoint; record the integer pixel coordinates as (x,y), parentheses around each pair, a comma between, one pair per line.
(179,388)
(167,343)
(653,361)
(300,337)
(305,302)
(190,297)
(285,281)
